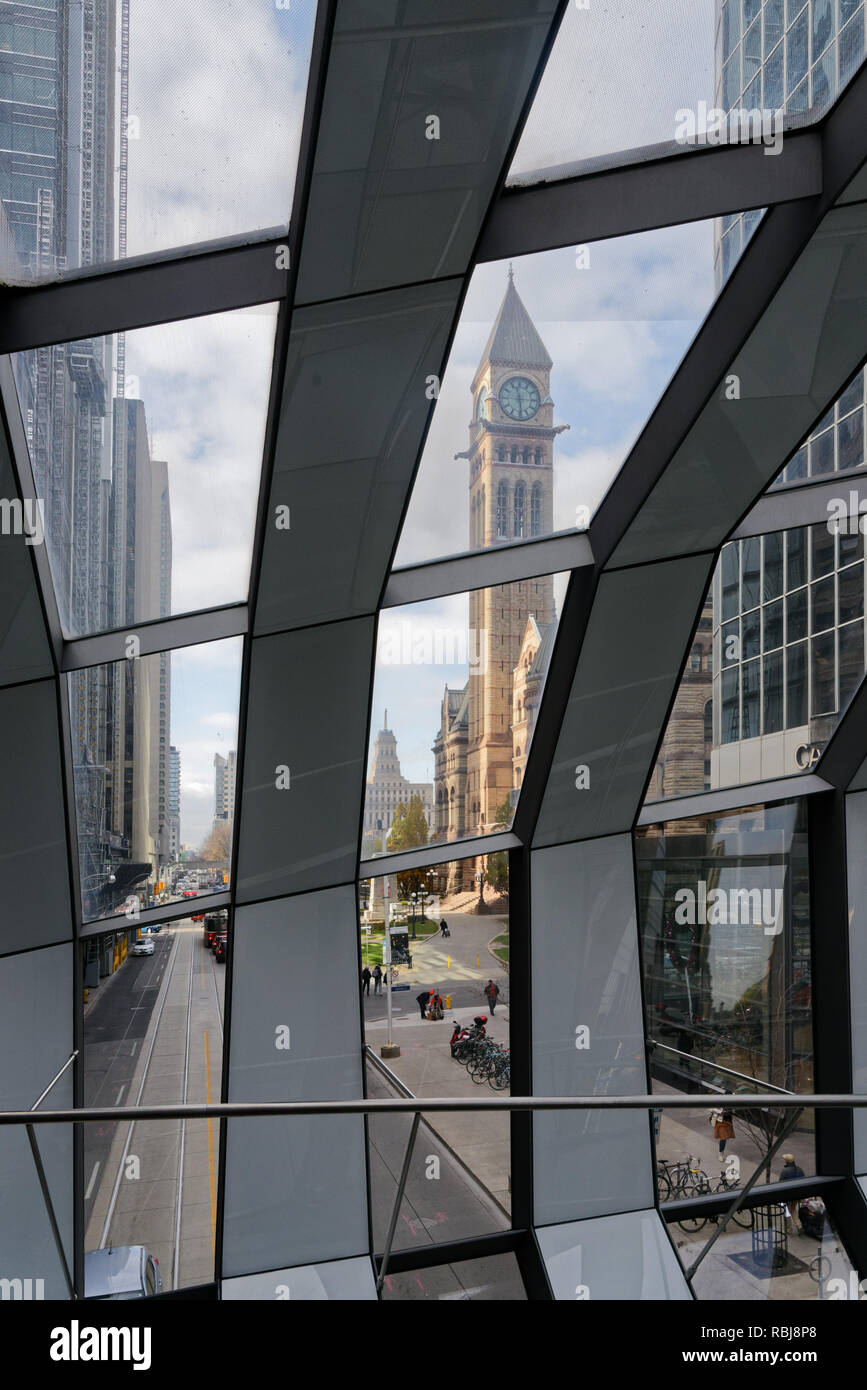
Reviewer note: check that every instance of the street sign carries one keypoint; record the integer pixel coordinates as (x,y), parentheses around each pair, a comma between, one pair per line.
(395,988)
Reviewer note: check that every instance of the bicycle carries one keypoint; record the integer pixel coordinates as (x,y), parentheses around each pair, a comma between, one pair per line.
(820,1268)
(743,1216)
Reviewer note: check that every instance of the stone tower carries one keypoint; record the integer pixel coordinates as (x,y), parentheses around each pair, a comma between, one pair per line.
(511,498)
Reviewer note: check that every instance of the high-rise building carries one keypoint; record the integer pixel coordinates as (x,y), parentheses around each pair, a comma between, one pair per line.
(174,803)
(224,787)
(387,788)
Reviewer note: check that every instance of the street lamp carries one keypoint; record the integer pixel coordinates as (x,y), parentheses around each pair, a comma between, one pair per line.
(480,880)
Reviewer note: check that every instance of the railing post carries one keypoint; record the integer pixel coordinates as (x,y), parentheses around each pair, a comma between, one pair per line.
(404,1173)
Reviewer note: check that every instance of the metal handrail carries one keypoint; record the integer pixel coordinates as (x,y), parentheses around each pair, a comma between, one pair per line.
(228,1110)
(715,1066)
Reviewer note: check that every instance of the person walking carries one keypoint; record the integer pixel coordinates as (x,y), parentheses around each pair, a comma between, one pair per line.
(723,1129)
(377,979)
(423,1000)
(790,1169)
(444,928)
(365,980)
(492,993)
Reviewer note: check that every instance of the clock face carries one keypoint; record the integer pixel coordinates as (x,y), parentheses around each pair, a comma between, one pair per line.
(519,398)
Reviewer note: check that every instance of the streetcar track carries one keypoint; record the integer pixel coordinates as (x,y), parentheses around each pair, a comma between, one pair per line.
(109,1216)
(176,1259)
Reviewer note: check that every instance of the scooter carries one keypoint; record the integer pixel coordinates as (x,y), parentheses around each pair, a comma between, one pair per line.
(463,1038)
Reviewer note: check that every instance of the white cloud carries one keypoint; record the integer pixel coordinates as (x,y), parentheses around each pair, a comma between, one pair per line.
(616,76)
(219,92)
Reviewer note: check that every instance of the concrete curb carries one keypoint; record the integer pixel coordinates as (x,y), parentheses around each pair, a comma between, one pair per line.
(503,964)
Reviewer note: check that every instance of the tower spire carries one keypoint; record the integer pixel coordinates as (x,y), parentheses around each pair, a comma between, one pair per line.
(511,272)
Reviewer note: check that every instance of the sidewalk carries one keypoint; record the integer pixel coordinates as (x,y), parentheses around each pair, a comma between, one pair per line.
(426,1065)
(427,1068)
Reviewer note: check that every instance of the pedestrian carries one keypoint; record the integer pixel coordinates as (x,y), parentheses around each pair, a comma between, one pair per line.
(723,1129)
(377,979)
(444,928)
(492,993)
(423,1000)
(365,980)
(790,1169)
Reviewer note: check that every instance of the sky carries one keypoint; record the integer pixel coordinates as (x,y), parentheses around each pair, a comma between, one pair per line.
(213,153)
(218,98)
(618,72)
(616,332)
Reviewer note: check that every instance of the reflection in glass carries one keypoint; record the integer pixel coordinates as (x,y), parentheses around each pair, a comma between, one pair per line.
(496,1278)
(115,144)
(154,796)
(146,450)
(792,1251)
(724,905)
(771,716)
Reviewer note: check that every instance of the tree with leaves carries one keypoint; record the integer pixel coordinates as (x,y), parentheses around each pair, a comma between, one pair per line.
(218,845)
(408,831)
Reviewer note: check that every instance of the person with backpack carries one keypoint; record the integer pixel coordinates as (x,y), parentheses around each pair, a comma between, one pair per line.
(723,1129)
(492,993)
(377,979)
(423,1001)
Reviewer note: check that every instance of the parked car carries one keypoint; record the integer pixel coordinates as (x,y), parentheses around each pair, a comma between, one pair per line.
(143,947)
(121,1271)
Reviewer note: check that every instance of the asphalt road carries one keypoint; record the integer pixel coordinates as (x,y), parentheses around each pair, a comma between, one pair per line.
(113,1033)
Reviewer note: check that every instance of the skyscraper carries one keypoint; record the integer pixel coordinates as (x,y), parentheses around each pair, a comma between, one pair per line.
(224,787)
(174,803)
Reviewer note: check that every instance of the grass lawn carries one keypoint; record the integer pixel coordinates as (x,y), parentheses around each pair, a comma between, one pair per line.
(500,947)
(372,944)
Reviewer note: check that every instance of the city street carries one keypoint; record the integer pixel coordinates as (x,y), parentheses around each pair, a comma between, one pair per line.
(156,1037)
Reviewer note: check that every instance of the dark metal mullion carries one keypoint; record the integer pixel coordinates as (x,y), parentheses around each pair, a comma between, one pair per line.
(668,190)
(571,631)
(468,274)
(452,1252)
(22,472)
(319,59)
(156,636)
(127,297)
(520,1035)
(831,978)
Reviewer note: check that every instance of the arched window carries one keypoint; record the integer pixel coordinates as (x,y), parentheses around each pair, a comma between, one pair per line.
(501,453)
(481,527)
(539,456)
(480,405)
(514,454)
(502,510)
(536,510)
(518,527)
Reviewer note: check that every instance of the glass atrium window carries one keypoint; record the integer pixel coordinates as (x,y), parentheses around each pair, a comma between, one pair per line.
(154,742)
(129,122)
(146,451)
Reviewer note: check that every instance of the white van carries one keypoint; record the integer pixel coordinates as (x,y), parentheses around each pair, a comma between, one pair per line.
(121,1271)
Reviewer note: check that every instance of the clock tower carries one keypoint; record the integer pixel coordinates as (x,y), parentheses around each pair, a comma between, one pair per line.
(511,498)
